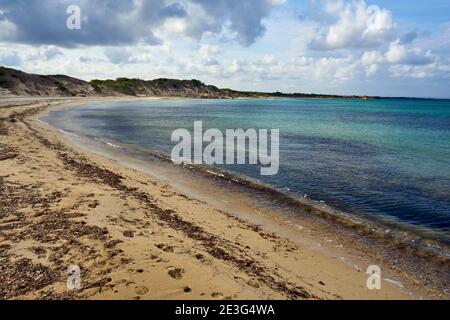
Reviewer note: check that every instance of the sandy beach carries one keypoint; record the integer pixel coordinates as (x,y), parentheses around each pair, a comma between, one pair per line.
(137,236)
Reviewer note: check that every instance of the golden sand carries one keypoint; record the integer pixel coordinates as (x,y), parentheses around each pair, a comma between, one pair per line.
(137,237)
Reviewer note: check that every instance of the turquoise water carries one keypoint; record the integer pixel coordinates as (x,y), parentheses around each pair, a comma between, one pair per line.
(389,158)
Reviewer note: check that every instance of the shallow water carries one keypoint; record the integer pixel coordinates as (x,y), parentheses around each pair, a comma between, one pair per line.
(388,158)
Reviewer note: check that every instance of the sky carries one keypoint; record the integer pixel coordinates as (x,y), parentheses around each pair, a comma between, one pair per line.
(371,47)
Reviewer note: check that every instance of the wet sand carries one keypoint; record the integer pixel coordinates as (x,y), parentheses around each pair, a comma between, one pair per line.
(137,235)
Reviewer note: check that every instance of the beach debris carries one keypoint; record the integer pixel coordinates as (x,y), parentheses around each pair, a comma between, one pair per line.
(3,129)
(7,153)
(217,247)
(92,172)
(164,247)
(128,234)
(199,256)
(94,204)
(357,268)
(176,273)
(22,277)
(111,244)
(39,251)
(254,284)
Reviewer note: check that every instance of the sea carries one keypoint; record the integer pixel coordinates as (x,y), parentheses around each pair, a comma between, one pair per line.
(387,159)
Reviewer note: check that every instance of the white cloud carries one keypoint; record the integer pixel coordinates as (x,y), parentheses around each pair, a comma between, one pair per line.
(372,57)
(268,60)
(235,66)
(50,52)
(175,26)
(362,53)
(400,57)
(434,70)
(7,29)
(277,2)
(337,69)
(10,58)
(408,71)
(372,69)
(401,54)
(208,55)
(207,51)
(131,22)
(353,25)
(304,68)
(237,20)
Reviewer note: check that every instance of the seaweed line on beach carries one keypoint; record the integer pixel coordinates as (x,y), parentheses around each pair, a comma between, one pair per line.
(364,229)
(217,247)
(21,276)
(30,214)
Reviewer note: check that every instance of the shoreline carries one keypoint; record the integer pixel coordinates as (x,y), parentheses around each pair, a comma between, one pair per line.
(393,239)
(420,237)
(374,226)
(334,278)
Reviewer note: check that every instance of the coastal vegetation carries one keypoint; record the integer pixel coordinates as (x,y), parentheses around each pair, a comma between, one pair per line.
(20,83)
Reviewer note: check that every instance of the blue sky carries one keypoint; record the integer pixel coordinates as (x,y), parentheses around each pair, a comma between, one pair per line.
(377,47)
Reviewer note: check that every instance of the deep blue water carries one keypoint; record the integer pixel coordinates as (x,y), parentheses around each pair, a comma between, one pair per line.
(390,158)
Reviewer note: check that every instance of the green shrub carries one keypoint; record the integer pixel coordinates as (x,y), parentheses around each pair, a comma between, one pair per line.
(3,81)
(63,89)
(124,85)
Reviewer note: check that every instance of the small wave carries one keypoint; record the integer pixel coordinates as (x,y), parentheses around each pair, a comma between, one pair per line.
(44,122)
(68,133)
(112,145)
(108,143)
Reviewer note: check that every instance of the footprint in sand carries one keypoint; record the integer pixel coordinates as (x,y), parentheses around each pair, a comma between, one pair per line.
(141,290)
(200,257)
(94,204)
(164,247)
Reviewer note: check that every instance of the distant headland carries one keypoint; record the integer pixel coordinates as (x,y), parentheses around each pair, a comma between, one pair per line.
(19,83)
